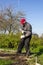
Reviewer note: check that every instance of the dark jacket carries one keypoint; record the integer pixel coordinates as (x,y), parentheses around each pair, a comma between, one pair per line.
(27,29)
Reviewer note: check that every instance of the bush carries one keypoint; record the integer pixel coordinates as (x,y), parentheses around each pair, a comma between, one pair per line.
(9,41)
(12,41)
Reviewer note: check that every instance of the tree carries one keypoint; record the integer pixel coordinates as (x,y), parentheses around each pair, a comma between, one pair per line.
(10,20)
(3,24)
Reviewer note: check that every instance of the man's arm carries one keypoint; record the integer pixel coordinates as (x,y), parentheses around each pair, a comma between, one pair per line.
(28,33)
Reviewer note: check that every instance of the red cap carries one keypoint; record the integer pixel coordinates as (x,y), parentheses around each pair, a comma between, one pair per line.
(22,21)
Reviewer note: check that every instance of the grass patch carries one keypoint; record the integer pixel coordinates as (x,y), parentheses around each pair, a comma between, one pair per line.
(40,59)
(5,62)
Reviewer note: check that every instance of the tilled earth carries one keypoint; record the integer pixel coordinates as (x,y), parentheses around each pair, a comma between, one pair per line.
(19,59)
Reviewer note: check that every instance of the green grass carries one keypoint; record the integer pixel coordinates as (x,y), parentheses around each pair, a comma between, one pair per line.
(40,59)
(5,62)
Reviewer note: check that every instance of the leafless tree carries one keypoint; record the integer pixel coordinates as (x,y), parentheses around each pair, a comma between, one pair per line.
(9,21)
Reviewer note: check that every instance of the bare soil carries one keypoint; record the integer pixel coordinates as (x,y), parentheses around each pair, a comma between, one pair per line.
(19,59)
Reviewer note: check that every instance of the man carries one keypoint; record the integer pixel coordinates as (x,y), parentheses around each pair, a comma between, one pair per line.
(26,37)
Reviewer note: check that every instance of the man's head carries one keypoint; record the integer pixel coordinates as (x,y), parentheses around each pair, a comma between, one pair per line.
(23,21)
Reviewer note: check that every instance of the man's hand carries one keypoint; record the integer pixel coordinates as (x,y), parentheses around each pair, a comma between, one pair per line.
(22,30)
(22,36)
